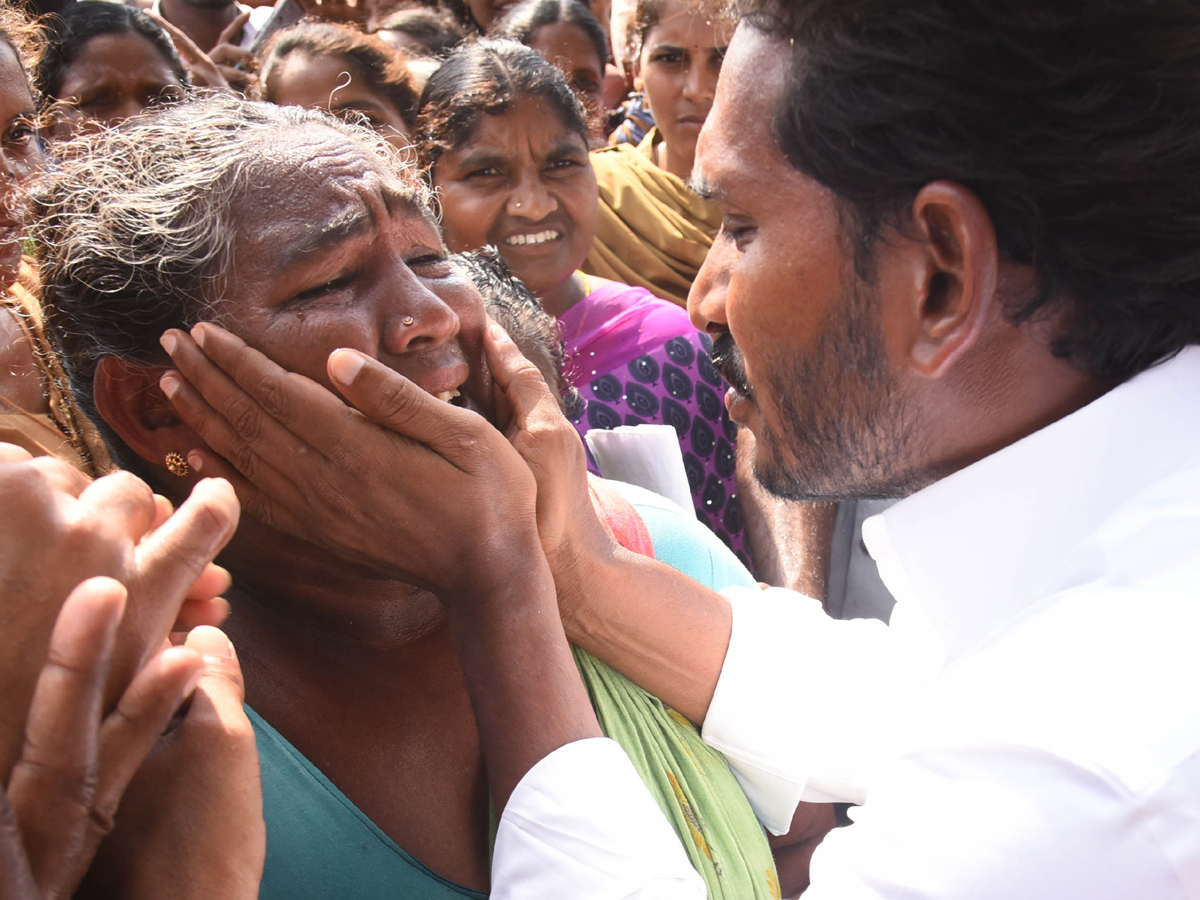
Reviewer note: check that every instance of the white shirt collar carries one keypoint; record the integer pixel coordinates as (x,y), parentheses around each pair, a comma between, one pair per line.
(978,547)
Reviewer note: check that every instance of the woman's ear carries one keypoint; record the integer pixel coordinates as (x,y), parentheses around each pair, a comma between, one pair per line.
(955,291)
(129,399)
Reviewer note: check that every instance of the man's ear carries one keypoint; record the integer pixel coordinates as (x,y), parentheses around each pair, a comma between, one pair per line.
(955,275)
(129,399)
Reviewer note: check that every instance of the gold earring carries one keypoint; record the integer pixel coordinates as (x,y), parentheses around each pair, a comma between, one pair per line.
(177,465)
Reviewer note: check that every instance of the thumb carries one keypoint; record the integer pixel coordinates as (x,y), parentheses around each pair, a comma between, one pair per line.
(522,386)
(398,404)
(222,681)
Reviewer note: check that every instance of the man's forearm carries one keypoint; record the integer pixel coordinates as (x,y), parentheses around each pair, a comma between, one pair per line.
(653,624)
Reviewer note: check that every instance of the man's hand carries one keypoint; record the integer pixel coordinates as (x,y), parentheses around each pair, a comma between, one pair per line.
(59,529)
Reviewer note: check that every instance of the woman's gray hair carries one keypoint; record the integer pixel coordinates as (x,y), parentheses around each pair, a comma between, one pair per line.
(135,232)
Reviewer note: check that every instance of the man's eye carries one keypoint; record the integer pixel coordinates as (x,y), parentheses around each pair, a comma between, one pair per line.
(485,172)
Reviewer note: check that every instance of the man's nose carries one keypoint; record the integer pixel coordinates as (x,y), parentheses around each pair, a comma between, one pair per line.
(706,300)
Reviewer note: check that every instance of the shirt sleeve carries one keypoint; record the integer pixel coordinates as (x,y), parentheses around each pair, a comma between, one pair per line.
(805,704)
(581,824)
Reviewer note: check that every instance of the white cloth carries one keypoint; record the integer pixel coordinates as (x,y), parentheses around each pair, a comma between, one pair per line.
(582,825)
(258,18)
(1029,724)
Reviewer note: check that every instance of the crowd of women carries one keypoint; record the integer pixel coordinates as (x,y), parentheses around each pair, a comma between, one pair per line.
(209,246)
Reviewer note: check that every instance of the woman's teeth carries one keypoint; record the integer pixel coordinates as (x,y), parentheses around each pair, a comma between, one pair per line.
(540,238)
(447,396)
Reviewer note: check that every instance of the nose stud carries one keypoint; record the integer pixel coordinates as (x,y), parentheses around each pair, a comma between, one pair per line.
(516,205)
(408,320)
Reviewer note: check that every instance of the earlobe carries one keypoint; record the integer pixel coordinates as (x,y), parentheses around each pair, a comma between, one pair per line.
(130,400)
(956,294)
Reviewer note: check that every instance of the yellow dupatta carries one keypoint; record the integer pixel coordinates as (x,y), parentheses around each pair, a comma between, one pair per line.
(652,230)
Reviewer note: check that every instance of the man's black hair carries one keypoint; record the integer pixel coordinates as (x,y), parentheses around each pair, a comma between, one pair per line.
(1075,122)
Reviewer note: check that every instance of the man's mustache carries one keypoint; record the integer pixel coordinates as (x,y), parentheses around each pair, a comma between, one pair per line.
(727,360)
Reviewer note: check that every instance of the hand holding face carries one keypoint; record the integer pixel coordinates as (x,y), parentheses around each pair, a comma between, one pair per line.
(59,529)
(410,486)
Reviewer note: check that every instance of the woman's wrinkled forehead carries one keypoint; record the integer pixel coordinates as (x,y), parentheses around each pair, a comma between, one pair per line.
(316,160)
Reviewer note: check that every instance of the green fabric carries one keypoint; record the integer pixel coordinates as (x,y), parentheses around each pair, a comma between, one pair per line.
(690,781)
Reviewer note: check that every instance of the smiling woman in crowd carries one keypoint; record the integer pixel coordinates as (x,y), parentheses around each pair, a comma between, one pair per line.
(389,698)
(321,65)
(105,63)
(653,230)
(505,144)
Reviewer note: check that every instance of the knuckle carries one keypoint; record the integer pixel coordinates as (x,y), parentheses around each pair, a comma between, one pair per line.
(396,404)
(245,420)
(245,460)
(270,396)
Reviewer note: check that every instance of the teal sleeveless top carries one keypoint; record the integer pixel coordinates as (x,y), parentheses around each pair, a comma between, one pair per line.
(320,845)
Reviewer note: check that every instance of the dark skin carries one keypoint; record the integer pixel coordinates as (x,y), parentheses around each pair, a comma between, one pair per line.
(366,673)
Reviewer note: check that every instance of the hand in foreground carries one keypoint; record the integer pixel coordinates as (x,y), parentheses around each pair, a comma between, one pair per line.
(75,762)
(59,529)
(410,486)
(191,822)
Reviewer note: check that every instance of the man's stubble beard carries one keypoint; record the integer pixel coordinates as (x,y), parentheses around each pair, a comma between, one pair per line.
(848,432)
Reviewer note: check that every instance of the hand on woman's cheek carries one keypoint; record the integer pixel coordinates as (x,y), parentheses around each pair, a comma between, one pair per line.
(415,488)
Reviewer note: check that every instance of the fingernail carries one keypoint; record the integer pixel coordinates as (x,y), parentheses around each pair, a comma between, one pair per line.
(497,333)
(195,460)
(170,385)
(168,342)
(198,333)
(344,366)
(210,643)
(226,576)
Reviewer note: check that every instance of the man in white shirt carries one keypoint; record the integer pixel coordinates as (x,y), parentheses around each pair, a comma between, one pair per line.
(960,260)
(959,263)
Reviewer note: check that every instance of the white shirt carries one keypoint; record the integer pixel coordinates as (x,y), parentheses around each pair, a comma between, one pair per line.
(1029,724)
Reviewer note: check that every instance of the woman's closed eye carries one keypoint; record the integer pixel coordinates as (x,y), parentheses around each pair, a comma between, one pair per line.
(332,286)
(431,265)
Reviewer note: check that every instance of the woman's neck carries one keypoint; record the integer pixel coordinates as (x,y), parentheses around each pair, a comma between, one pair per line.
(562,297)
(677,165)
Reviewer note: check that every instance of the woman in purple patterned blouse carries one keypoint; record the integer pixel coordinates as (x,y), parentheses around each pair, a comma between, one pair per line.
(505,144)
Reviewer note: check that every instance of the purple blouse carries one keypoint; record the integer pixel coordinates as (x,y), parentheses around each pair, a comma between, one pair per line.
(637,359)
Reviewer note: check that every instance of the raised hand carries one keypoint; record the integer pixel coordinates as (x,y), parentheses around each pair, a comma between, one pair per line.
(60,529)
(205,72)
(191,823)
(75,762)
